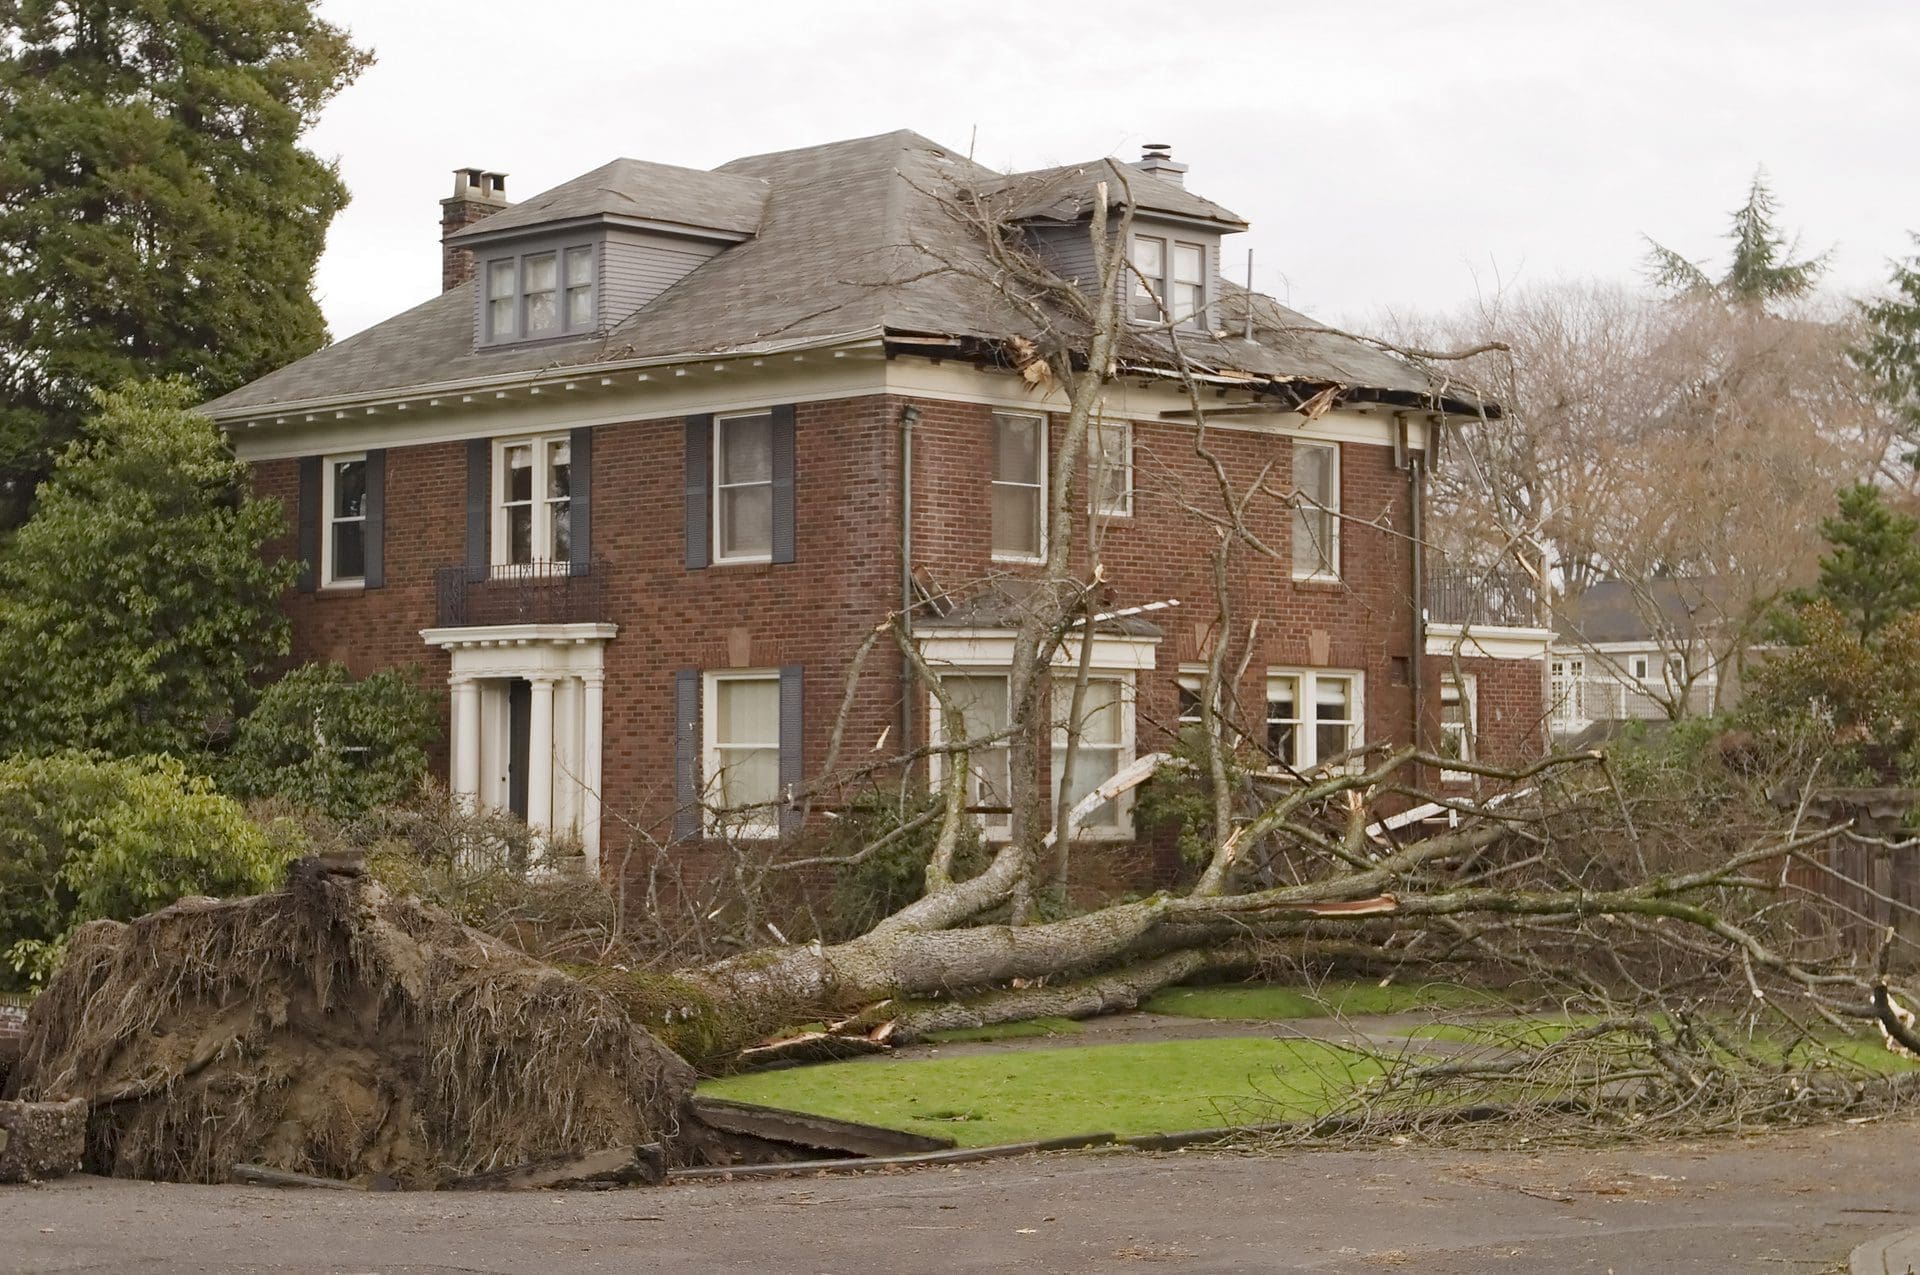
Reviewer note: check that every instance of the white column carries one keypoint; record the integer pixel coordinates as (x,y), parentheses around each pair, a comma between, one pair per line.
(465,732)
(594,686)
(540,756)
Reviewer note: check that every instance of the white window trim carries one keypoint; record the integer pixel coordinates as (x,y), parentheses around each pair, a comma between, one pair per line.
(936,731)
(1332,574)
(1124,507)
(1191,677)
(1306,728)
(717,486)
(1468,685)
(1566,692)
(993,481)
(501,553)
(1197,319)
(327,520)
(1126,750)
(762,825)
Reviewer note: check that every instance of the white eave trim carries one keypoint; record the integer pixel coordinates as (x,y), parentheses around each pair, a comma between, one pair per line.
(1488,641)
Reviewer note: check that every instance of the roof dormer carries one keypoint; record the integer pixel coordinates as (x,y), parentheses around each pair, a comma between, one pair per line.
(576,260)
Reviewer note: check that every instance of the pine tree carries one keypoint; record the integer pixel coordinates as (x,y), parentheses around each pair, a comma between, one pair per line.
(1871,576)
(1889,353)
(157,214)
(1760,268)
(138,602)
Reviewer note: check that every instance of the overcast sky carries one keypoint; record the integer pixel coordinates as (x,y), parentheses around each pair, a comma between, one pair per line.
(1392,155)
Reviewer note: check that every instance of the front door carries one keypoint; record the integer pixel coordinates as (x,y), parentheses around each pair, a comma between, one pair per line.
(519,717)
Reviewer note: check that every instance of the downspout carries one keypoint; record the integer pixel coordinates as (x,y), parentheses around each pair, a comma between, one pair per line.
(1416,505)
(908,415)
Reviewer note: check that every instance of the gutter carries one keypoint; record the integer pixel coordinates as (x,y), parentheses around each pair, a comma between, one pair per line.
(537,378)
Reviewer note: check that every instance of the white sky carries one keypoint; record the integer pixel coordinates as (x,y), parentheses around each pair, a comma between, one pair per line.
(1392,155)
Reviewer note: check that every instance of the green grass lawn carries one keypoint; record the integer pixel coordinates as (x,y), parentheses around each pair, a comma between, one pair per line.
(1028,1094)
(1009,1031)
(1267,1003)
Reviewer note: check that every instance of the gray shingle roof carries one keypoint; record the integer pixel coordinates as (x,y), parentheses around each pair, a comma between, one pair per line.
(1618,611)
(638,190)
(848,242)
(1066,194)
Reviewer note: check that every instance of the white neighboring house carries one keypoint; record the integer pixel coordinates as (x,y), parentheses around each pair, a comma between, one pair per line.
(1624,652)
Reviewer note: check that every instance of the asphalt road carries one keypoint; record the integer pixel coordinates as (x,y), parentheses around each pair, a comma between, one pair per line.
(1795,1202)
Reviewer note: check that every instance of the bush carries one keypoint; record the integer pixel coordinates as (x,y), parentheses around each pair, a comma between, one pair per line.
(1854,700)
(83,840)
(322,740)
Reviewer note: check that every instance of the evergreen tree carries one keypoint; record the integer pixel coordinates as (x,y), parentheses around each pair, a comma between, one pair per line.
(138,600)
(1760,268)
(157,214)
(1871,577)
(1889,354)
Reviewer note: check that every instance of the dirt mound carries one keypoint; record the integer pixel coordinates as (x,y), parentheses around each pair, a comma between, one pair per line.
(336,1030)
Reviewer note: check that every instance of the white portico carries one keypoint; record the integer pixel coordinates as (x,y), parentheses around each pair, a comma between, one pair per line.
(528,707)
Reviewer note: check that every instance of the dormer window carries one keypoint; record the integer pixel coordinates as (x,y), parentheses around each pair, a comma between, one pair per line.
(1183,289)
(536,295)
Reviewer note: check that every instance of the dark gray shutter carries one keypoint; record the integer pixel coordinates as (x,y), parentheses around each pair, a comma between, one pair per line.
(479,504)
(699,488)
(793,723)
(376,526)
(307,523)
(580,506)
(783,515)
(686,753)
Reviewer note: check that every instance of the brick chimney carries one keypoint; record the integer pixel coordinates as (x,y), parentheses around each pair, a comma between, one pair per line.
(477,193)
(1156,160)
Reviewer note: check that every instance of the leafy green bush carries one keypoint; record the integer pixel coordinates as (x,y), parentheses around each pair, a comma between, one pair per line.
(1853,699)
(83,839)
(322,740)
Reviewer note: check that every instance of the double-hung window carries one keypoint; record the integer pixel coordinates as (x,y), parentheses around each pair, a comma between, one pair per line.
(1149,276)
(1312,716)
(1110,468)
(1316,511)
(1189,298)
(535,295)
(1169,279)
(982,699)
(1190,690)
(743,488)
(533,503)
(743,752)
(1106,742)
(1019,487)
(343,544)
(1459,720)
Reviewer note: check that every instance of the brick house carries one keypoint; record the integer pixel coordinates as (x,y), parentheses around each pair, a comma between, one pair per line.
(669,443)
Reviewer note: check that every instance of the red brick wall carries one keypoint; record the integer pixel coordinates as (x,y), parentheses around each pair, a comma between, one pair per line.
(815,611)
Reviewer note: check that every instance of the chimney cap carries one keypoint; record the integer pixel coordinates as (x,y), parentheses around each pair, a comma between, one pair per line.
(1155,148)
(482,184)
(1156,160)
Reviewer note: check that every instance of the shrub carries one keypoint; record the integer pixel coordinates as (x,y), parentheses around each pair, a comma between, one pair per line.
(322,740)
(83,839)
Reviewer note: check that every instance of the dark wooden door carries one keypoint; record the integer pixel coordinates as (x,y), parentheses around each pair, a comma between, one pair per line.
(519,717)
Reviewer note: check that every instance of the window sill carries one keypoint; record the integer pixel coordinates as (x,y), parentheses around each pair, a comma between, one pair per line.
(1113,515)
(345,589)
(1324,584)
(1016,560)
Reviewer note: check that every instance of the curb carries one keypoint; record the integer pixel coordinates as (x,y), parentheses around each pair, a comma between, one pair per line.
(1896,1253)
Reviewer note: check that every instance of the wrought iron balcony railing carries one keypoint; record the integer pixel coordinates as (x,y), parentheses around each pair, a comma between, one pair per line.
(1504,598)
(522,593)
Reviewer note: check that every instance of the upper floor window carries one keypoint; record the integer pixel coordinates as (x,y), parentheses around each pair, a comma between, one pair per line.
(1110,468)
(343,542)
(1316,511)
(1019,487)
(540,294)
(743,488)
(1175,273)
(533,502)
